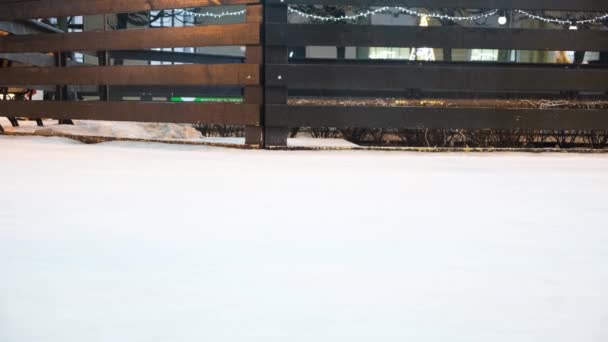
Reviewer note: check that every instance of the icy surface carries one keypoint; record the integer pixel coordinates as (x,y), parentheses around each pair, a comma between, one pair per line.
(148,242)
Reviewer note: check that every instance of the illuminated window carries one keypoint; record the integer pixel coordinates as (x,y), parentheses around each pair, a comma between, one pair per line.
(484,55)
(389,53)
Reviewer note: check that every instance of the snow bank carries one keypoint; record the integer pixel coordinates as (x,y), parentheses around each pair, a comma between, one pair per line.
(132,130)
(136,130)
(148,242)
(152,131)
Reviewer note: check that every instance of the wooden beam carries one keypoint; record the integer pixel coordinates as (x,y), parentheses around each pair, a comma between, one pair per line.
(548,5)
(215,74)
(434,117)
(275,135)
(218,113)
(254,95)
(436,36)
(437,77)
(254,14)
(134,39)
(63,8)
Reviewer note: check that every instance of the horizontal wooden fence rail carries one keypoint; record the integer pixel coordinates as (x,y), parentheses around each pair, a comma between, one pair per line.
(120,91)
(436,37)
(434,117)
(27,9)
(133,39)
(213,74)
(217,113)
(379,77)
(549,5)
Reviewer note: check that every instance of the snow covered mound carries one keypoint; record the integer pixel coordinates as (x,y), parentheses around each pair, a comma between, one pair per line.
(114,129)
(133,130)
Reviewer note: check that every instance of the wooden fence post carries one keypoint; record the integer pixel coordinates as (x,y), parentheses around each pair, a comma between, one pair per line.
(4,91)
(104,60)
(61,61)
(61,91)
(276,54)
(254,94)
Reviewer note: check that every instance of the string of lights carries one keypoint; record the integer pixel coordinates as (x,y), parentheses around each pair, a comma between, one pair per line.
(563,21)
(386,9)
(214,15)
(398,9)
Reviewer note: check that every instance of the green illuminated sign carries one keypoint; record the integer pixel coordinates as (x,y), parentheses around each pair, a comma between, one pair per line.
(206,99)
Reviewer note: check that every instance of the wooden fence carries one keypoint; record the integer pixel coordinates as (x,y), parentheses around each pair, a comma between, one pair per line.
(285,76)
(246,75)
(268,76)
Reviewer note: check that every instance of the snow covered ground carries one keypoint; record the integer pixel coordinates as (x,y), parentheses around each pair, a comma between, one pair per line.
(148,242)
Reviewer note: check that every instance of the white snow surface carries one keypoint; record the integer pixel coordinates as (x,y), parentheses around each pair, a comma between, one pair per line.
(149,242)
(309,142)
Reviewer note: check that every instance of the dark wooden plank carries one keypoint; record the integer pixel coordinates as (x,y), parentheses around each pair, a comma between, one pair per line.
(275,135)
(195,36)
(62,92)
(103,59)
(434,117)
(215,74)
(254,54)
(219,113)
(254,14)
(89,90)
(436,77)
(553,5)
(28,9)
(436,36)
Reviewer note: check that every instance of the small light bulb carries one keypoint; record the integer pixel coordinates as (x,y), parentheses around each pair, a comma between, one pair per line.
(502,20)
(573,27)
